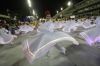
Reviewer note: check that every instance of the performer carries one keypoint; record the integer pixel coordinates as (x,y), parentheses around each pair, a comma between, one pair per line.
(40,44)
(92,35)
(48,27)
(71,25)
(87,24)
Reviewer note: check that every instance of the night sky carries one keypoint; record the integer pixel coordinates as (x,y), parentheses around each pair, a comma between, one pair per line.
(40,6)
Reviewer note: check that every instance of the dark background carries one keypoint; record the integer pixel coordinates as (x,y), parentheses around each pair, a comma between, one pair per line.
(40,6)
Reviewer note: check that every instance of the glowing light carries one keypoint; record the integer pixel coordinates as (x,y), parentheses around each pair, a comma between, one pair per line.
(33,12)
(61,8)
(29,3)
(69,3)
(57,11)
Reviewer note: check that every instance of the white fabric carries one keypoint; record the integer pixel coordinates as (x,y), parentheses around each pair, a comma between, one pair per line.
(71,25)
(63,23)
(1,40)
(25,28)
(92,35)
(58,25)
(5,38)
(87,24)
(39,45)
(80,22)
(17,31)
(46,27)
(97,21)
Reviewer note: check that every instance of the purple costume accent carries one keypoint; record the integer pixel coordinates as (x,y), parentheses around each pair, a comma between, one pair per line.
(92,35)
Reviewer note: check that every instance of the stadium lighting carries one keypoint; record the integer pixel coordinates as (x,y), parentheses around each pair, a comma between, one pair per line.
(69,3)
(33,12)
(61,8)
(57,11)
(29,3)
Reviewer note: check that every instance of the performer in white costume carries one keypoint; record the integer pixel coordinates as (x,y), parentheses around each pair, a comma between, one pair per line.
(48,27)
(6,38)
(58,25)
(92,35)
(40,44)
(70,25)
(87,24)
